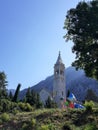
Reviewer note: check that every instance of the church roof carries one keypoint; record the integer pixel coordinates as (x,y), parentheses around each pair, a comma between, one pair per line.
(59,59)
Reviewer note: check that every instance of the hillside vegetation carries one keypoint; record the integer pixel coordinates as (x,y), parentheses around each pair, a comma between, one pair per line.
(31,114)
(51,119)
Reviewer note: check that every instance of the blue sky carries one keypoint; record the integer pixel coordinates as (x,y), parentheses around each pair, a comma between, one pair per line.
(31,36)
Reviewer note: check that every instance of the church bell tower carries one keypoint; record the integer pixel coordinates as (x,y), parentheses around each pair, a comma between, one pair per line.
(59,92)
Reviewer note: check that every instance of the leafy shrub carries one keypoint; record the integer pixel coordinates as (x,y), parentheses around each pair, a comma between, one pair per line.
(30,125)
(24,126)
(15,111)
(51,127)
(5,105)
(44,127)
(25,106)
(28,107)
(5,117)
(33,122)
(9,106)
(91,127)
(89,105)
(21,105)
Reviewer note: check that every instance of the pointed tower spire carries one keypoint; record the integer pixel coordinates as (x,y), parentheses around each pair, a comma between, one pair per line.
(59,87)
(59,59)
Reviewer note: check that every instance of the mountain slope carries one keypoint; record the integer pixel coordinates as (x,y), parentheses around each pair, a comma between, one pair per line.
(76,82)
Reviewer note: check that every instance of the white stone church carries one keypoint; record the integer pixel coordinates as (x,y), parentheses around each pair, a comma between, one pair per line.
(59,88)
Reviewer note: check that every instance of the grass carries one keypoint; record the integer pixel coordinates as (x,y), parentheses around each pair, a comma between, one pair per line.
(51,119)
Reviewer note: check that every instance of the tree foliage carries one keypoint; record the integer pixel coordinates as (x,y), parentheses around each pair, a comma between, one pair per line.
(10,95)
(3,84)
(50,103)
(9,106)
(33,98)
(15,98)
(28,96)
(38,103)
(82,28)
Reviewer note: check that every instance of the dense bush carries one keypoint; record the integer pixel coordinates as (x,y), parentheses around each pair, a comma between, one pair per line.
(5,105)
(25,106)
(9,106)
(44,127)
(5,117)
(33,122)
(91,127)
(89,105)
(24,126)
(30,125)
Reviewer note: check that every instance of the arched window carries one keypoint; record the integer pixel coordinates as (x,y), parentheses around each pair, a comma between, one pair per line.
(57,72)
(61,72)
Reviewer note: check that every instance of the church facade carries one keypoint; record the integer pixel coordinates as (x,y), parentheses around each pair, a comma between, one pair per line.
(58,93)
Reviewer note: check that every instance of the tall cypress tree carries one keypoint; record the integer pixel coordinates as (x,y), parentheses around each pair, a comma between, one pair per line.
(15,98)
(33,97)
(28,96)
(38,102)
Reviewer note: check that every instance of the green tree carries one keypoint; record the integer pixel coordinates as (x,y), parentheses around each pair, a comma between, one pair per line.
(28,96)
(81,24)
(3,84)
(50,103)
(33,98)
(10,95)
(38,101)
(15,98)
(89,105)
